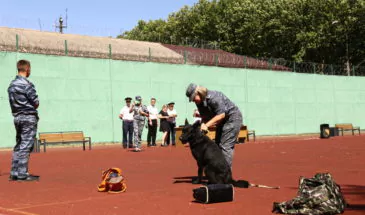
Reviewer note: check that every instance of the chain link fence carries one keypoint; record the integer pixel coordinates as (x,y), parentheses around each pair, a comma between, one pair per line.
(50,43)
(318,68)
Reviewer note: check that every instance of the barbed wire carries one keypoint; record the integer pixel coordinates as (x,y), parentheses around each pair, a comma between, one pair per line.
(121,49)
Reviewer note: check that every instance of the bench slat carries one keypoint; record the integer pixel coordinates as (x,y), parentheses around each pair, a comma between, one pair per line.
(51,137)
(67,137)
(344,126)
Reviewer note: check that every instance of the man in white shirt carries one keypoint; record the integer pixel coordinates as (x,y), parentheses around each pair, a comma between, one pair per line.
(152,123)
(172,121)
(127,118)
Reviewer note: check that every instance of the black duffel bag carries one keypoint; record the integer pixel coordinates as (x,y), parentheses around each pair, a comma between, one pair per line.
(214,193)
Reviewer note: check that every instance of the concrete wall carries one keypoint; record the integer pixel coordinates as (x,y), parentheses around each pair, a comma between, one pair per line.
(87,94)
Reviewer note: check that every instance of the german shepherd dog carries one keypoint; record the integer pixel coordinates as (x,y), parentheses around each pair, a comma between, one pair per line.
(209,157)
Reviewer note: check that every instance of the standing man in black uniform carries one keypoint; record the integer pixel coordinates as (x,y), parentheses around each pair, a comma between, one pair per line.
(24,102)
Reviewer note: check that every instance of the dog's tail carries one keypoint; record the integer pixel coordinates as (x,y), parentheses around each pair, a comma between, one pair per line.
(246,184)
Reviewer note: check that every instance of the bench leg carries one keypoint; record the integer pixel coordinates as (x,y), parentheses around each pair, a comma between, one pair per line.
(39,146)
(44,147)
(89,144)
(254,137)
(353,133)
(34,148)
(83,145)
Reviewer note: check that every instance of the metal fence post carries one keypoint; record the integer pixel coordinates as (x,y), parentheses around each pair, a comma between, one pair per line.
(110,51)
(353,71)
(110,61)
(332,69)
(17,42)
(149,53)
(185,56)
(245,61)
(314,68)
(66,49)
(294,67)
(270,64)
(216,59)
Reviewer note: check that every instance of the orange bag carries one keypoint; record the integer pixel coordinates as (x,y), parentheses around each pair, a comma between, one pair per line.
(112,181)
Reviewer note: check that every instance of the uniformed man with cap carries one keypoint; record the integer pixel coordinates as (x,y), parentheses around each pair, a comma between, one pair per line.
(140,113)
(24,102)
(127,118)
(217,110)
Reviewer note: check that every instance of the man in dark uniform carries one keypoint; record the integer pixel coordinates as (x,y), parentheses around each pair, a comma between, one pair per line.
(152,123)
(24,102)
(217,110)
(172,122)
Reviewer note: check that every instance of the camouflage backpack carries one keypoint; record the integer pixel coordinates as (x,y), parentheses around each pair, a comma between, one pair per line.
(319,195)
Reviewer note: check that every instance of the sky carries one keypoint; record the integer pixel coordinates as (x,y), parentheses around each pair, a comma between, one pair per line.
(93,18)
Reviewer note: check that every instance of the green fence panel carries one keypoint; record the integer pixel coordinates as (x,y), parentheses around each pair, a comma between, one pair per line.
(87,94)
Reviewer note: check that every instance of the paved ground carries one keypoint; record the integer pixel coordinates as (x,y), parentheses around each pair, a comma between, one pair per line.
(69,178)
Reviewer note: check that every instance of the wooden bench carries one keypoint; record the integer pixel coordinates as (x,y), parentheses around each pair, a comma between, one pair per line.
(243,134)
(347,127)
(251,132)
(63,138)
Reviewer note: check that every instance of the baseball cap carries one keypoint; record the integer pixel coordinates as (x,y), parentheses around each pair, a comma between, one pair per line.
(190,91)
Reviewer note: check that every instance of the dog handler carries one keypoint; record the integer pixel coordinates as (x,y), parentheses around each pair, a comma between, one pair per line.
(217,110)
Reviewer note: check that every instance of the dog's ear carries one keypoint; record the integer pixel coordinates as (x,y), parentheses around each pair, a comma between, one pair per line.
(197,124)
(186,121)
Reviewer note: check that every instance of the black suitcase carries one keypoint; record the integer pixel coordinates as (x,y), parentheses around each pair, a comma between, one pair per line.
(214,193)
(324,130)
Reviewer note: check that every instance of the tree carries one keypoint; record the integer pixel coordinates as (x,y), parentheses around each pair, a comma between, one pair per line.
(328,31)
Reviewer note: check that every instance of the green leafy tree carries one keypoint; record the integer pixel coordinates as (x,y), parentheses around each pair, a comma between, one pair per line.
(328,31)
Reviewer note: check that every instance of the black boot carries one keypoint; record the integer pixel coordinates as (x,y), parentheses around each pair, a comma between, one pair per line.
(29,178)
